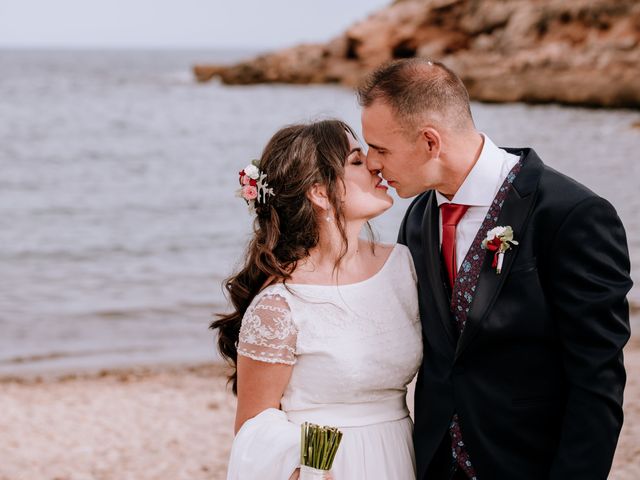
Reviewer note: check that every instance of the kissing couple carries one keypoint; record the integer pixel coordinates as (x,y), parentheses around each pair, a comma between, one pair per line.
(505,293)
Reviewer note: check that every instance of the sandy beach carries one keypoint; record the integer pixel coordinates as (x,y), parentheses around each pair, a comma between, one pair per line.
(163,424)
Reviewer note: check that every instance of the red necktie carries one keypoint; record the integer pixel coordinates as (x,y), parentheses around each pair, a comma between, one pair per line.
(451,215)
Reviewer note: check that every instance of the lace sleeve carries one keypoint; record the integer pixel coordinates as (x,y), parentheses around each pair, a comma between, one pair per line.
(268,333)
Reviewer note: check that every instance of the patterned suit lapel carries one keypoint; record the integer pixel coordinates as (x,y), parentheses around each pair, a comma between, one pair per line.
(515,212)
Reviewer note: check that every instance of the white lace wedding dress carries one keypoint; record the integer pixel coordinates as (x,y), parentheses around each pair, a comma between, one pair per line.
(354,349)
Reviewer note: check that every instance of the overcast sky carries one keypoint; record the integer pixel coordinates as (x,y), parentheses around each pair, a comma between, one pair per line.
(176,23)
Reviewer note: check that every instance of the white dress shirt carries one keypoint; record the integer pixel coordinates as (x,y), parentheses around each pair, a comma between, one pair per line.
(478,191)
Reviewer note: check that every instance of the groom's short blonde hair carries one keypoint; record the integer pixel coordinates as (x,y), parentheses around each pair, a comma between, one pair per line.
(418,89)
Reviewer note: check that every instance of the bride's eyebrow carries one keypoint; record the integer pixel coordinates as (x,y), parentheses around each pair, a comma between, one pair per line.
(353,150)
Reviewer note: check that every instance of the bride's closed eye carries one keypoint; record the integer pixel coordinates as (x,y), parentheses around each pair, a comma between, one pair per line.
(355,157)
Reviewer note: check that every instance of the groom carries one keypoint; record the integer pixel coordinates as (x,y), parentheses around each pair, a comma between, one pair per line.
(523,375)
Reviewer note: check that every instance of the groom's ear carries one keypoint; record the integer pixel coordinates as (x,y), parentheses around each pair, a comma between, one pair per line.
(431,140)
(318,196)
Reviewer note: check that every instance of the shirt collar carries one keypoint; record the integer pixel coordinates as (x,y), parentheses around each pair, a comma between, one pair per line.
(483,181)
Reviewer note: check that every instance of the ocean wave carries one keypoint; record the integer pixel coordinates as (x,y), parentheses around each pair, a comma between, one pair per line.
(47,357)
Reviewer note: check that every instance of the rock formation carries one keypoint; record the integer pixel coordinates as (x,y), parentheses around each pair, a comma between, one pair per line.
(579,52)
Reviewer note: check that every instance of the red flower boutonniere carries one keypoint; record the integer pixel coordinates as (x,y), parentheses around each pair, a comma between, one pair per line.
(499,240)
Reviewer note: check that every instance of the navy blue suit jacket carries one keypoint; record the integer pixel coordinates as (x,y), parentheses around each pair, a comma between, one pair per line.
(537,376)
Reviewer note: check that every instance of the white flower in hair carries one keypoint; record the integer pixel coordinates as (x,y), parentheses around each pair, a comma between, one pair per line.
(252,172)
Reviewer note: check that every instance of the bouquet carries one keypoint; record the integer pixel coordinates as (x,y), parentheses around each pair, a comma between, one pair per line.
(317,450)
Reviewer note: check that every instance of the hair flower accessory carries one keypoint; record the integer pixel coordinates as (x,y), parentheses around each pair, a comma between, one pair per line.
(253,186)
(499,240)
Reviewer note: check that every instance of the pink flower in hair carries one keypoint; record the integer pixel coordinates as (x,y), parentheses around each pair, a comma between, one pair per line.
(249,192)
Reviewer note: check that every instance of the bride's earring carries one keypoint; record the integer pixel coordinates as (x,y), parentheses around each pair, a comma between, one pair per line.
(328,218)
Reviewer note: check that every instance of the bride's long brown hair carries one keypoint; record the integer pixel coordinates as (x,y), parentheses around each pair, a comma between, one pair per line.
(286,227)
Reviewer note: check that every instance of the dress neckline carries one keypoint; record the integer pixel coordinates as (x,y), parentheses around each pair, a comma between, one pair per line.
(354,284)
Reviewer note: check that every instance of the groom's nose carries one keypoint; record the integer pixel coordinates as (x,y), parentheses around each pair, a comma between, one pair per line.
(373,161)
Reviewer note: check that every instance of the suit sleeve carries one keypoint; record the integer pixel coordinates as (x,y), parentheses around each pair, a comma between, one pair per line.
(587,281)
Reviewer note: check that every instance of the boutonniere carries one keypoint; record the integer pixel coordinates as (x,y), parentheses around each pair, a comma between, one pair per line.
(499,240)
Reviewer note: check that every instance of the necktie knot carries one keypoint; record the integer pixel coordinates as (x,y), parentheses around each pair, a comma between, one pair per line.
(452,213)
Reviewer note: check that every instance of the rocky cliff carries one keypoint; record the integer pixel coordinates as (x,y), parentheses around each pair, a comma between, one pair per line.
(579,52)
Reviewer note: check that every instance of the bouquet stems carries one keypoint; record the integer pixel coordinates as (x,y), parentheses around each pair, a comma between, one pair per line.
(318,449)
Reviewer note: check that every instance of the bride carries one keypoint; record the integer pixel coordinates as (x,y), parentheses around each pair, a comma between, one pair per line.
(325,326)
